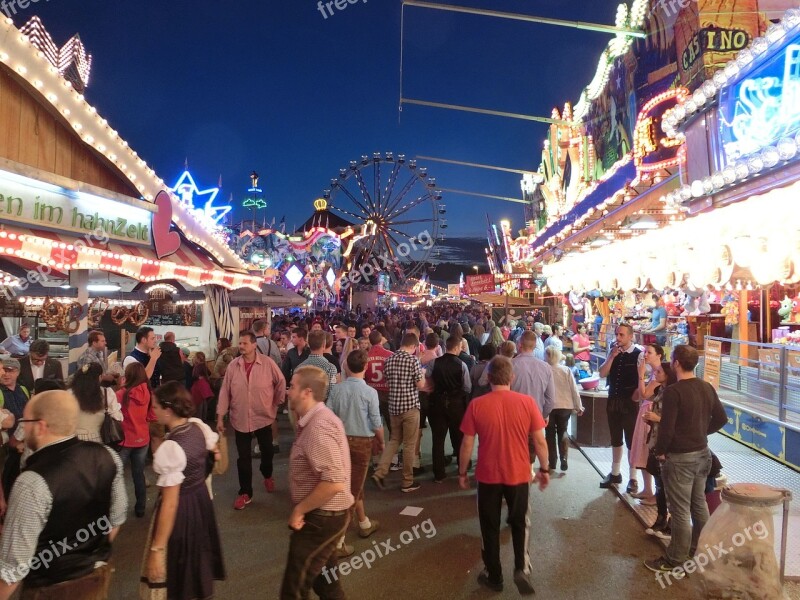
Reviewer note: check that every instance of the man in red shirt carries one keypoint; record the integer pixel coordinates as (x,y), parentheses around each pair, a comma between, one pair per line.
(503,420)
(374,375)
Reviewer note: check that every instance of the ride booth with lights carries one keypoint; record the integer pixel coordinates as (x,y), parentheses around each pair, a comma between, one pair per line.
(86,226)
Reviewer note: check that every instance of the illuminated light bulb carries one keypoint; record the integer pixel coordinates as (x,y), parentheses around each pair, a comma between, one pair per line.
(787,148)
(742,170)
(759,46)
(699,97)
(744,58)
(720,79)
(775,32)
(732,69)
(708,185)
(685,192)
(697,189)
(710,88)
(770,157)
(718,180)
(680,112)
(755,164)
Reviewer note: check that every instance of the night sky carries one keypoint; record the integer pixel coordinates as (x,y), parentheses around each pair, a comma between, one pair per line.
(273,86)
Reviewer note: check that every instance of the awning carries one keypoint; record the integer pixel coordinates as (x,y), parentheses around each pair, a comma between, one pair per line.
(500,300)
(62,253)
(271,295)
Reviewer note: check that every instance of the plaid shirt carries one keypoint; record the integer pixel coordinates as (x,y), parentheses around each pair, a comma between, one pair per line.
(319,361)
(403,371)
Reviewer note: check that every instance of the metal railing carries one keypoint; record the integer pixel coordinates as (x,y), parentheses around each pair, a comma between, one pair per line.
(763,378)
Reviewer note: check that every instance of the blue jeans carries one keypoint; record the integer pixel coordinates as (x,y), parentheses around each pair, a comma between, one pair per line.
(137,457)
(684,477)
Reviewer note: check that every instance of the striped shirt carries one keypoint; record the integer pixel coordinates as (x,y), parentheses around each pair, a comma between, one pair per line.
(320,453)
(403,371)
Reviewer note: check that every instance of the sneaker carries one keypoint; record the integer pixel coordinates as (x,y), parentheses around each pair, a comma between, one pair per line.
(523,582)
(269,485)
(373,527)
(483,579)
(413,487)
(610,480)
(241,501)
(633,486)
(396,465)
(343,551)
(647,501)
(564,465)
(662,565)
(419,470)
(378,481)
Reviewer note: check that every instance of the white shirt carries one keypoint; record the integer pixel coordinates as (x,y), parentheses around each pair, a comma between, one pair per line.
(38,371)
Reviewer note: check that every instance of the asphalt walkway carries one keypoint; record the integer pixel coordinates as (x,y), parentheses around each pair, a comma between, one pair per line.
(585,542)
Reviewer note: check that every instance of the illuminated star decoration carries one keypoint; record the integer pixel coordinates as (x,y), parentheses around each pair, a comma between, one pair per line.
(186,189)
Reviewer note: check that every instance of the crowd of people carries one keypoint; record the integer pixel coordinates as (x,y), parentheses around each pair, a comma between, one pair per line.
(359,389)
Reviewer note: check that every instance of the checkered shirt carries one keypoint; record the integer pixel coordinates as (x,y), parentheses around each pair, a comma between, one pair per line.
(403,371)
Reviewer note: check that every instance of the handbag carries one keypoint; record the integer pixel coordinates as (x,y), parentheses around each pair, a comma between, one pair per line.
(111,430)
(221,466)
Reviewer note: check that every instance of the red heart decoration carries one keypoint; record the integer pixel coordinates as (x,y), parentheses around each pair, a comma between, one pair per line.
(166,242)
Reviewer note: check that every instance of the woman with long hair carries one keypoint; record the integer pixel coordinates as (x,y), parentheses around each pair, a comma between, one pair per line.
(661,526)
(134,396)
(496,337)
(183,549)
(480,334)
(567,401)
(653,357)
(93,400)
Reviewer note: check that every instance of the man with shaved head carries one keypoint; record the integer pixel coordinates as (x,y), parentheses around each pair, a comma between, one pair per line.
(70,490)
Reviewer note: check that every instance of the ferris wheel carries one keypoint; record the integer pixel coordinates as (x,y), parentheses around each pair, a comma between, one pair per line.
(400,208)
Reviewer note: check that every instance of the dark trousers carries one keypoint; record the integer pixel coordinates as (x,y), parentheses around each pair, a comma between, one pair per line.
(556,433)
(661,496)
(244,463)
(490,505)
(445,414)
(311,560)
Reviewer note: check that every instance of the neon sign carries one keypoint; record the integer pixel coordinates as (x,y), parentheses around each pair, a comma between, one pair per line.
(763,105)
(186,189)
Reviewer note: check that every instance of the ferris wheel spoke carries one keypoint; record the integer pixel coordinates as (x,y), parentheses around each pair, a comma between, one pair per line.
(393,203)
(389,248)
(353,199)
(390,185)
(376,184)
(363,189)
(404,209)
(346,212)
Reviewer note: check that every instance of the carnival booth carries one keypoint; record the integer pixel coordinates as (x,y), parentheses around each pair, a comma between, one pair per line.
(88,227)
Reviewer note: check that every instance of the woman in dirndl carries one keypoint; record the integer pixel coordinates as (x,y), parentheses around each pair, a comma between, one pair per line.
(183,555)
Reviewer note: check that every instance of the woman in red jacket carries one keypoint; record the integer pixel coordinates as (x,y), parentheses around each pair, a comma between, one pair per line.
(135,400)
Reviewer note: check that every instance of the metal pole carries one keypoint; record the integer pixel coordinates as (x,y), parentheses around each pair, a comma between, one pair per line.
(484,111)
(783,385)
(476,165)
(529,18)
(506,198)
(785,531)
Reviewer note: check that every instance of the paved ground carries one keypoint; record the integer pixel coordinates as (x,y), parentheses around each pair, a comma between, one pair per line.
(585,543)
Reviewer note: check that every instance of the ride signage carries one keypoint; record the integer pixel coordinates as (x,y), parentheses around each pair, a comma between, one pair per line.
(762,106)
(35,203)
(479,284)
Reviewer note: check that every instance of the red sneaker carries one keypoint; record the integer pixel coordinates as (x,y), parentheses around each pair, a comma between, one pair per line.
(241,501)
(269,485)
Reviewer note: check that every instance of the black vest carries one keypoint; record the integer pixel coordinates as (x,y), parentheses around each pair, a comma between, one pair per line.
(448,377)
(79,476)
(623,379)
